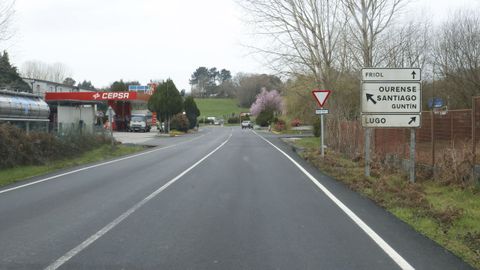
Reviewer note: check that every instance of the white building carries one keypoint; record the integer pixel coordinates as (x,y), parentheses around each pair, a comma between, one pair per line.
(40,87)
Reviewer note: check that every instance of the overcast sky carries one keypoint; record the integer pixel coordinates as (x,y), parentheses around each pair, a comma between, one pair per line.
(108,40)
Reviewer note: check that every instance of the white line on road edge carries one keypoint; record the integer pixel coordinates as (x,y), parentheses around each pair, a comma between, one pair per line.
(371,233)
(96,165)
(60,261)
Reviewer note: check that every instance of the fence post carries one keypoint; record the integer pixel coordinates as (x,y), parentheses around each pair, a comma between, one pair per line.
(451,130)
(474,136)
(432,138)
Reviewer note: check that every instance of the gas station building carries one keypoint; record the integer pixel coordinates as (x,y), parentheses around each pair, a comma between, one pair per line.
(78,110)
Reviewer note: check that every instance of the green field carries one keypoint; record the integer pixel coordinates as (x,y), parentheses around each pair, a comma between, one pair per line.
(218,107)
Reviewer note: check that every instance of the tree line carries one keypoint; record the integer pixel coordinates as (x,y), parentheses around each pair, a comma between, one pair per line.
(324,44)
(244,87)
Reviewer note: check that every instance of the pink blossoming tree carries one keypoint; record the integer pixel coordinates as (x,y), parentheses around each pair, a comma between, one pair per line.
(267,101)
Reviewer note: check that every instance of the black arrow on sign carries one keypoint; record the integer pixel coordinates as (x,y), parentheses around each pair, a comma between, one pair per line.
(412,120)
(370,97)
(413,74)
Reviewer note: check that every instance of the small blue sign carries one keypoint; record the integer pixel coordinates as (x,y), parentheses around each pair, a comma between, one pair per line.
(435,102)
(138,88)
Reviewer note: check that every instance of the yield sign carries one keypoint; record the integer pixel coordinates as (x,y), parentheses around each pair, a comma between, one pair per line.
(321,96)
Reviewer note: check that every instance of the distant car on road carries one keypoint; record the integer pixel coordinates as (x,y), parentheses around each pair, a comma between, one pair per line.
(247,124)
(218,122)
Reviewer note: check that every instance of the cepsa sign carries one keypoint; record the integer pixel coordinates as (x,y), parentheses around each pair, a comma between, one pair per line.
(112,96)
(95,96)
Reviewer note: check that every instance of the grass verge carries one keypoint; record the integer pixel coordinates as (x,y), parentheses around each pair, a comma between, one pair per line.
(12,175)
(449,215)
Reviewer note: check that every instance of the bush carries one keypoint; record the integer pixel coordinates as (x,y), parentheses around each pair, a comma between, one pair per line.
(18,148)
(455,166)
(280,125)
(265,118)
(316,127)
(295,122)
(233,120)
(180,122)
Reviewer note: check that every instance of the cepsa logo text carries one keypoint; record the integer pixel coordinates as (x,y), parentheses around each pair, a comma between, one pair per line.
(112,95)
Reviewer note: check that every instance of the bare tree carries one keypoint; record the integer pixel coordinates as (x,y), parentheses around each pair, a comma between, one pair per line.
(6,15)
(407,45)
(302,34)
(457,55)
(369,18)
(56,72)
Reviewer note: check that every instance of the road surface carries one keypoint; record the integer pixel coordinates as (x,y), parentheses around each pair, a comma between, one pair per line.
(224,198)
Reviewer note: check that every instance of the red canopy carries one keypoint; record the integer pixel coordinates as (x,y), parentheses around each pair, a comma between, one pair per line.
(96,96)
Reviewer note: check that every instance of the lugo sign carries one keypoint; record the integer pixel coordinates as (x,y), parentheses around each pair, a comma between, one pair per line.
(390,120)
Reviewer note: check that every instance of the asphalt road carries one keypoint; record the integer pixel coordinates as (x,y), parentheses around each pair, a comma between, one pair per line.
(224,198)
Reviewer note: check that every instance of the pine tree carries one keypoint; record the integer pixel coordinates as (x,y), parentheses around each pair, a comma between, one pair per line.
(191,110)
(9,77)
(166,101)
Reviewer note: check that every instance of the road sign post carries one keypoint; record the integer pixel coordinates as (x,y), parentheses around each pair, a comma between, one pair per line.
(321,97)
(110,121)
(391,98)
(412,155)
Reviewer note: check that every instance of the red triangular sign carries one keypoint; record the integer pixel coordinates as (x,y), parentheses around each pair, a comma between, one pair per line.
(321,96)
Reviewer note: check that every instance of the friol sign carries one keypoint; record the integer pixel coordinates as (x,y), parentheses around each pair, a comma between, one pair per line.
(391,97)
(391,74)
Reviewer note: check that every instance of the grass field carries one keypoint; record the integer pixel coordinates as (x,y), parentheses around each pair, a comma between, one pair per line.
(12,175)
(218,107)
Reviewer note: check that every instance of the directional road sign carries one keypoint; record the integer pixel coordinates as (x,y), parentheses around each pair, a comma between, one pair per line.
(391,120)
(391,74)
(391,97)
(321,96)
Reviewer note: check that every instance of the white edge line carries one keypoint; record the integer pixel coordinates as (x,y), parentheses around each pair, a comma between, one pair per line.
(97,165)
(371,233)
(70,254)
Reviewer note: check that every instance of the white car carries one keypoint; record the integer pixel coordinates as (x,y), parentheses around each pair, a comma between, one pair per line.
(247,124)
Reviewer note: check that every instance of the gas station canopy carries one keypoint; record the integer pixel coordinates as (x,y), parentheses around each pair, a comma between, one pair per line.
(96,97)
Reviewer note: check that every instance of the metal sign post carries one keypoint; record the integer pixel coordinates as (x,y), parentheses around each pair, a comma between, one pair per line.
(110,121)
(391,98)
(322,136)
(321,97)
(412,155)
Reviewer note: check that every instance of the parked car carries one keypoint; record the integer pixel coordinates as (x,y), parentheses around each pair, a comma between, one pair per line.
(247,124)
(139,122)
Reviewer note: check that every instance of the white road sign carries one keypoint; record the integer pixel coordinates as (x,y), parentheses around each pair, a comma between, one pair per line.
(391,97)
(391,74)
(321,111)
(391,120)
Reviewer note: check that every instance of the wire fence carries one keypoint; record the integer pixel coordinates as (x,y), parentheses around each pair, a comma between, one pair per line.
(441,133)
